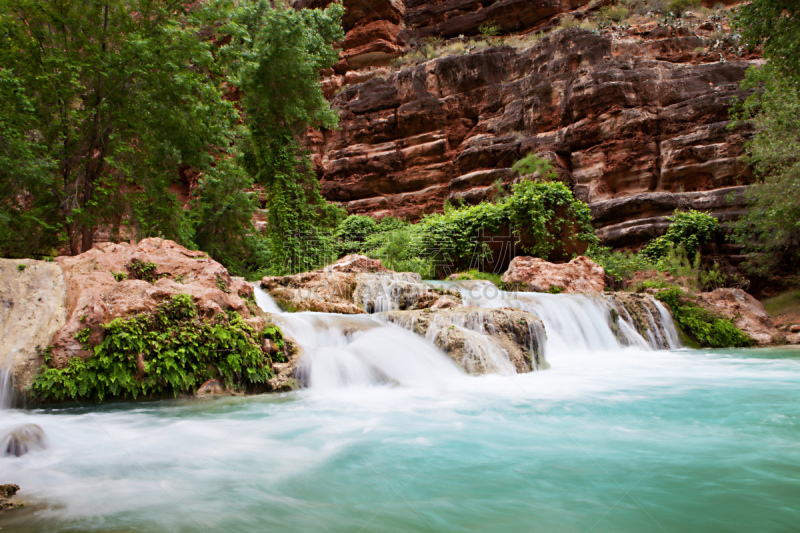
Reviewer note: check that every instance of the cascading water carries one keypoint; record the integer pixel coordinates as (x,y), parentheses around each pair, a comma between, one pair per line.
(359,350)
(579,322)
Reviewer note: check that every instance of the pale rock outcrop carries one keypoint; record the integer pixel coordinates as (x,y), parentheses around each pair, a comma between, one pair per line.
(95,297)
(747,313)
(33,307)
(356,284)
(537,275)
(481,341)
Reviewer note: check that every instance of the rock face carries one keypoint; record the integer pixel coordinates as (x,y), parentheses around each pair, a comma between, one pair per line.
(537,275)
(625,114)
(95,297)
(48,304)
(33,307)
(746,312)
(354,285)
(504,341)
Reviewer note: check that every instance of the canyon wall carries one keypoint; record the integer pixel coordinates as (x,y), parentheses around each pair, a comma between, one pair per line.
(634,117)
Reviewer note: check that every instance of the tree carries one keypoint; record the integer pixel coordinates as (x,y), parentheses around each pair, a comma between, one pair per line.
(276,58)
(771,228)
(116,96)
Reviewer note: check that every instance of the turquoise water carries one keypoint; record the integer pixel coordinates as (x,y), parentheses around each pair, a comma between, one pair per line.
(624,441)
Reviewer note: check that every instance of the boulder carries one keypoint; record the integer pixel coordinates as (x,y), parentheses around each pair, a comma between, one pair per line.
(120,280)
(355,284)
(537,275)
(22,440)
(747,313)
(481,341)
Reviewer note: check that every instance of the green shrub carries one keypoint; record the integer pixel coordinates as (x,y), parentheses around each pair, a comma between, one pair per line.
(620,265)
(701,327)
(352,233)
(145,271)
(533,163)
(688,229)
(478,275)
(678,7)
(489,29)
(177,351)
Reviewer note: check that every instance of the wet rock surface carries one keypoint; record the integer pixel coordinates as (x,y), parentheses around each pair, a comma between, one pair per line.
(537,275)
(355,285)
(23,440)
(7,491)
(481,340)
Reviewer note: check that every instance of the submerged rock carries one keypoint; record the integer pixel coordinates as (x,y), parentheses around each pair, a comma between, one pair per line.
(481,340)
(23,440)
(7,491)
(537,275)
(355,285)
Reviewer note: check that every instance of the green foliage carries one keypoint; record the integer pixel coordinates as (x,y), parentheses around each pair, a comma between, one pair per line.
(770,230)
(616,12)
(276,55)
(167,352)
(145,271)
(490,28)
(678,7)
(546,215)
(478,275)
(533,163)
(775,25)
(688,230)
(700,326)
(352,233)
(108,99)
(620,265)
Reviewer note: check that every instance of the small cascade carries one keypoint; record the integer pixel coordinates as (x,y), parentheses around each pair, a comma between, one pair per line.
(7,392)
(378,293)
(585,322)
(360,350)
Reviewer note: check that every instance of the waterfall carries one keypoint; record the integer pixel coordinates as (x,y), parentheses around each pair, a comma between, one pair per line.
(362,350)
(585,322)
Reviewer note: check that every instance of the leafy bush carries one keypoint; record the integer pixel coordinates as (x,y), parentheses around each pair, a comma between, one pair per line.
(688,230)
(533,163)
(169,351)
(352,233)
(620,265)
(700,326)
(489,29)
(678,7)
(145,271)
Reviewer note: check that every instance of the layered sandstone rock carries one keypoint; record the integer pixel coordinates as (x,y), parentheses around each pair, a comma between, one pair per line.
(625,113)
(537,275)
(356,284)
(504,341)
(747,313)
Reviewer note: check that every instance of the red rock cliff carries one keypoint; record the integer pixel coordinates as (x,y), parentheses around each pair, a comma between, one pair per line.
(636,118)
